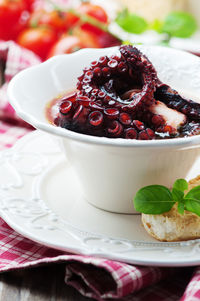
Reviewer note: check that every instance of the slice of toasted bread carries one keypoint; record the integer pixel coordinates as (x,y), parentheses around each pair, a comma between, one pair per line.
(172,226)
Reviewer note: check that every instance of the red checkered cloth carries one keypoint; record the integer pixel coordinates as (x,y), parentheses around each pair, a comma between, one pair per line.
(15,59)
(9,134)
(192,292)
(97,278)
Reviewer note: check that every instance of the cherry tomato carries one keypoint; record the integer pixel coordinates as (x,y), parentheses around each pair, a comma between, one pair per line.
(29,4)
(95,11)
(88,38)
(19,27)
(71,19)
(59,21)
(39,40)
(10,14)
(72,43)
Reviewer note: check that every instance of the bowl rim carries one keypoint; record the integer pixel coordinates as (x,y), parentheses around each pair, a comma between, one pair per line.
(183,142)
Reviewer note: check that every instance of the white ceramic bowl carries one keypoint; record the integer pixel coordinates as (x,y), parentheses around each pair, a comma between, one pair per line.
(110,170)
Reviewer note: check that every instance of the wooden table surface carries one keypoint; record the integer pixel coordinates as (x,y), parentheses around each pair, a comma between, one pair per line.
(46,283)
(38,284)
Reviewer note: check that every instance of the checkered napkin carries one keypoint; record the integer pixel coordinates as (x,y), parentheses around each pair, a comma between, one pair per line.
(12,59)
(97,278)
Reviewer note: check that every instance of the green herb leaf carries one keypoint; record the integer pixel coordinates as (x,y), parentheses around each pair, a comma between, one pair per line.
(194,193)
(177,195)
(179,24)
(156,25)
(127,42)
(153,199)
(192,205)
(192,200)
(130,22)
(181,185)
(181,207)
(157,199)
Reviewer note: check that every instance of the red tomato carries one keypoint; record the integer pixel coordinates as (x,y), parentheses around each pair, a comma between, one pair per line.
(88,38)
(39,40)
(72,43)
(60,21)
(20,26)
(29,4)
(10,15)
(95,11)
(71,19)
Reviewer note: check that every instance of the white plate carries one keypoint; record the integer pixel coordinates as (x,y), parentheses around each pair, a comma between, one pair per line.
(40,198)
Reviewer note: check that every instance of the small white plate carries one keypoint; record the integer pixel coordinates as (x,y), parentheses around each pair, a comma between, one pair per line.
(41,199)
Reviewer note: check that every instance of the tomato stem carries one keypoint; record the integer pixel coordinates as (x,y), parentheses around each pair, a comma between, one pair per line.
(55,6)
(85,19)
(90,20)
(94,22)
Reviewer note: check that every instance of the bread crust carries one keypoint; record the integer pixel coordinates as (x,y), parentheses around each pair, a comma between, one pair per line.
(173,226)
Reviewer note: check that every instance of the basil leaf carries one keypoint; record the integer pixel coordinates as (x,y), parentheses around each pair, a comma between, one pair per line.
(192,200)
(181,184)
(192,205)
(194,193)
(153,199)
(127,42)
(156,25)
(131,23)
(177,195)
(179,24)
(181,207)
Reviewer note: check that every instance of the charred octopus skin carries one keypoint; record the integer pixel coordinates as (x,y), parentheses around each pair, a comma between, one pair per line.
(121,97)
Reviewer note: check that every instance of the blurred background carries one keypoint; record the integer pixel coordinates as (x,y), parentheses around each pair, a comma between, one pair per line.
(51,27)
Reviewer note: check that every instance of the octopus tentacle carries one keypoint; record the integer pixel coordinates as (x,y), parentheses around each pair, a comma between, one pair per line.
(122,97)
(117,75)
(175,101)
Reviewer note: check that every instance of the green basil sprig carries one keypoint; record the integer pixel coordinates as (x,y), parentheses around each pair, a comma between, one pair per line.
(176,24)
(157,199)
(131,22)
(179,24)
